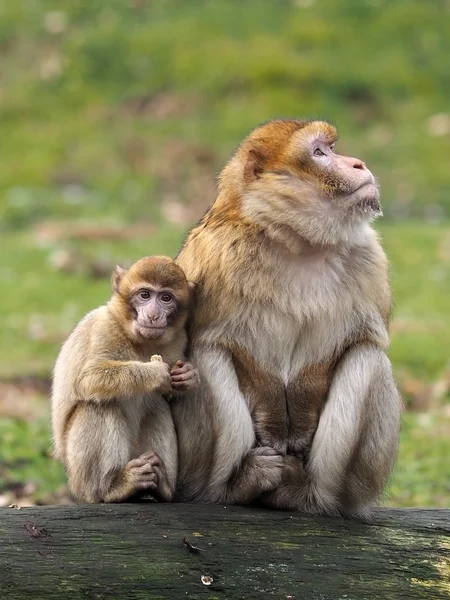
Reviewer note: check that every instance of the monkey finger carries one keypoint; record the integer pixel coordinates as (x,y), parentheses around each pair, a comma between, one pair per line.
(175,372)
(158,474)
(150,457)
(136,463)
(185,369)
(177,381)
(182,377)
(145,473)
(179,385)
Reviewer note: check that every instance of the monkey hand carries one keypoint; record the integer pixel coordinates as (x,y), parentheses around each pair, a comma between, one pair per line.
(142,472)
(266,466)
(160,374)
(184,377)
(294,471)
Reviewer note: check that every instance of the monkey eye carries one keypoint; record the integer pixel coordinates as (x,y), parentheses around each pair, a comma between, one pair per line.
(318,152)
(333,147)
(166,298)
(144,294)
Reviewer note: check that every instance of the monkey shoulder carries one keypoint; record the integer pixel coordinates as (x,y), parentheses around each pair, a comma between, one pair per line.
(95,337)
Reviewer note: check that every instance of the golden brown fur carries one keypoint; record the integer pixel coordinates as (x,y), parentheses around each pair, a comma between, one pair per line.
(112,427)
(290,327)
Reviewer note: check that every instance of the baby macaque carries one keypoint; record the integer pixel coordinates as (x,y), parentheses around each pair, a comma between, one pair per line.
(112,424)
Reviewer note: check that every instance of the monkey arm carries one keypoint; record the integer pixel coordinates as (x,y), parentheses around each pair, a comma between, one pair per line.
(106,380)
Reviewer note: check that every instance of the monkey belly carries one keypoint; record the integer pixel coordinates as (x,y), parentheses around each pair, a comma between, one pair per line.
(285,415)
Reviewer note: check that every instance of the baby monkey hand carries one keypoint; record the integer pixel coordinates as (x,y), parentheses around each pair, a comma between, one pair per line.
(184,377)
(160,373)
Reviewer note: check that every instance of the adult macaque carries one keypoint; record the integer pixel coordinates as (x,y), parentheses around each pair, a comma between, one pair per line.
(290,328)
(113,429)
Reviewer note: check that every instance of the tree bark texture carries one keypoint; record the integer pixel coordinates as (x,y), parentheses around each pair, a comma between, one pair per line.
(151,551)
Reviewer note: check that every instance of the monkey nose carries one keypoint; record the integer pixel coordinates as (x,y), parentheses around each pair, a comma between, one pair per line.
(359,164)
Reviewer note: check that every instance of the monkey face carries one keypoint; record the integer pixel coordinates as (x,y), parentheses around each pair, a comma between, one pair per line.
(344,181)
(153,311)
(292,177)
(151,299)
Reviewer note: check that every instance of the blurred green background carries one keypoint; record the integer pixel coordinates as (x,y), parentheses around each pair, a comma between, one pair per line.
(115,117)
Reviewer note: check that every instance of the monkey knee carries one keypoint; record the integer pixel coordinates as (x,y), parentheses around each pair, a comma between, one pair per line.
(88,481)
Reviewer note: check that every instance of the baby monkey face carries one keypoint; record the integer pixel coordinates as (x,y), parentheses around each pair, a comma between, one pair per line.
(153,310)
(151,299)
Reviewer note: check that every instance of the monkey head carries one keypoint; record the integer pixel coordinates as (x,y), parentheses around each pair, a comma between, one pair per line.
(288,173)
(151,299)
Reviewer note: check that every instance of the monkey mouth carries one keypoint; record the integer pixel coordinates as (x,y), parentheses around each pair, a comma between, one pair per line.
(372,204)
(367,201)
(150,332)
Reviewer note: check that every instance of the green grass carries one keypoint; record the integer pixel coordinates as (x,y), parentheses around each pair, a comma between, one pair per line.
(89,108)
(420,273)
(422,474)
(25,450)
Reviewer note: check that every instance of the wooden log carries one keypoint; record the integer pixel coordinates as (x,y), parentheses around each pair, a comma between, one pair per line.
(153,551)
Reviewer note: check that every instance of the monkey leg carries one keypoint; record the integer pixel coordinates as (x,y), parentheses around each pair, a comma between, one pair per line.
(218,461)
(99,449)
(355,444)
(215,431)
(157,434)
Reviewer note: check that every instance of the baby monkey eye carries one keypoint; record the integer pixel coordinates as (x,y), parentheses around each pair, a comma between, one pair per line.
(144,294)
(166,298)
(318,152)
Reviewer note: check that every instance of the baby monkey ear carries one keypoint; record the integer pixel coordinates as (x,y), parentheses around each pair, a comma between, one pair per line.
(116,278)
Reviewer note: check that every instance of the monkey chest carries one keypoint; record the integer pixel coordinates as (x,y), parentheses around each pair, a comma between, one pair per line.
(284,373)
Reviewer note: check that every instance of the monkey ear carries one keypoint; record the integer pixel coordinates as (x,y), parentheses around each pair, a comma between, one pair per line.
(254,165)
(116,278)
